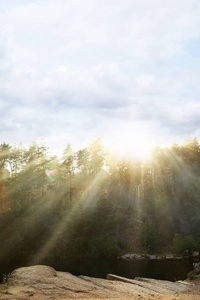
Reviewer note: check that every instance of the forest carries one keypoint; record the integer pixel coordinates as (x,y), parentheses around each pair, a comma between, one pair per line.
(95,203)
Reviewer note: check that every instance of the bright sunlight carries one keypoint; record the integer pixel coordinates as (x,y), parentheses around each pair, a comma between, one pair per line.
(136,145)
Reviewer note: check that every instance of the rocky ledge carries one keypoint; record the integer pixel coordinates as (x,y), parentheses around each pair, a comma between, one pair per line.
(136,256)
(43,282)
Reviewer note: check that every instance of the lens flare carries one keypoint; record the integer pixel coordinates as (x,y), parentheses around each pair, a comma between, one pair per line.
(51,174)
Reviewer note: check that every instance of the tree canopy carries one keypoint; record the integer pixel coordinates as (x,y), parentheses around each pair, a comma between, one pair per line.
(93,203)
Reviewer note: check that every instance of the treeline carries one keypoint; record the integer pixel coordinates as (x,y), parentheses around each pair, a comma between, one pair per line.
(95,203)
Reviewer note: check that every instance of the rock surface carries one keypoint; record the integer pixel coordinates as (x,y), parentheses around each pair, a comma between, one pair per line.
(135,256)
(43,282)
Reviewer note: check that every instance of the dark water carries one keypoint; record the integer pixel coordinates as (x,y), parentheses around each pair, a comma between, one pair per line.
(163,269)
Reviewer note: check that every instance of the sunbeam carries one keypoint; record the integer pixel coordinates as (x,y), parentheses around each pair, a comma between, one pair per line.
(90,195)
(96,204)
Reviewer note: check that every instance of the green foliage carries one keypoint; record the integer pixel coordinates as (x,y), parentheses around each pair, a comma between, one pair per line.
(103,246)
(149,236)
(5,278)
(5,292)
(99,203)
(183,242)
(191,275)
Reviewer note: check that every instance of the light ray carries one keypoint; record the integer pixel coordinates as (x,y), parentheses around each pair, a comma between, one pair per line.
(62,225)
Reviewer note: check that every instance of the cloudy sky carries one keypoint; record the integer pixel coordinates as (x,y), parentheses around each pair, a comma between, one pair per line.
(72,71)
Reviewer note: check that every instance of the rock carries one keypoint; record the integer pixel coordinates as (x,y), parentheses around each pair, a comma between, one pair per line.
(129,256)
(31,275)
(152,256)
(195,254)
(43,282)
(153,286)
(126,256)
(138,256)
(196,267)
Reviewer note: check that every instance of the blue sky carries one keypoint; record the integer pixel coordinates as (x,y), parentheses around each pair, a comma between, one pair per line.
(73,71)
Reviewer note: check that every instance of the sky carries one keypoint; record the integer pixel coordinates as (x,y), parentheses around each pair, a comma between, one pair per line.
(72,71)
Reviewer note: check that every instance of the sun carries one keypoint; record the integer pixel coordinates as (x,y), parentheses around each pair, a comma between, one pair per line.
(136,145)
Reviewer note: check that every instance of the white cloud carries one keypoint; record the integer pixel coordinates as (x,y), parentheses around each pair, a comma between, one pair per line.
(81,68)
